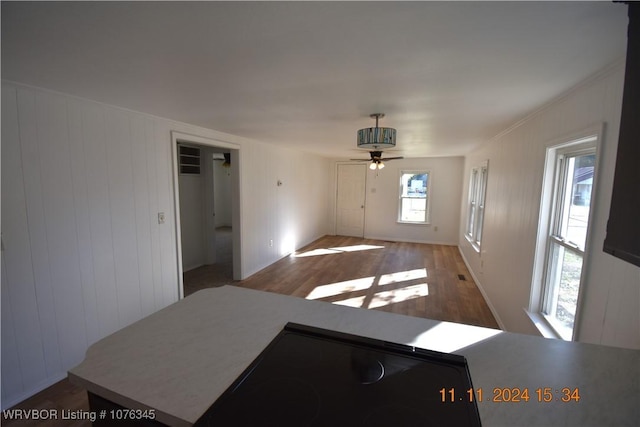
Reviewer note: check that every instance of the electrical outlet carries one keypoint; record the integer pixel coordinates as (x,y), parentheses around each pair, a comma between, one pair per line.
(270,243)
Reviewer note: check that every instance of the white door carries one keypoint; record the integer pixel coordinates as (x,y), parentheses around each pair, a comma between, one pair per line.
(350,200)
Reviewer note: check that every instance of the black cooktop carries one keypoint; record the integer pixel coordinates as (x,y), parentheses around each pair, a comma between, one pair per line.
(315,377)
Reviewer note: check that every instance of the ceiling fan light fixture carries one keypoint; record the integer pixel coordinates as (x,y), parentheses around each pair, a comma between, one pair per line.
(376,138)
(376,164)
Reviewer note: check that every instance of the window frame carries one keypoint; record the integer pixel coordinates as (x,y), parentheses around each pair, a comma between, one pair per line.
(585,142)
(476,204)
(401,197)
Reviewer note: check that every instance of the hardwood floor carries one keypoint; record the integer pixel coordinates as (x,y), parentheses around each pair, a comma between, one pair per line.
(406,278)
(62,396)
(214,275)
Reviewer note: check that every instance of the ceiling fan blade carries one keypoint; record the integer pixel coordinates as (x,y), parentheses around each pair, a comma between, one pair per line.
(392,158)
(360,160)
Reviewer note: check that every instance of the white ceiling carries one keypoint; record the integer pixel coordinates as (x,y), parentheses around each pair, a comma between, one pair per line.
(448,75)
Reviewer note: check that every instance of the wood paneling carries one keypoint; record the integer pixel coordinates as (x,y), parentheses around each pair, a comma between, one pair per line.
(60,236)
(611,290)
(144,212)
(79,243)
(18,303)
(83,254)
(122,215)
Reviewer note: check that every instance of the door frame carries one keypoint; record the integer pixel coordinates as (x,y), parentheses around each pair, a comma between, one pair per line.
(236,226)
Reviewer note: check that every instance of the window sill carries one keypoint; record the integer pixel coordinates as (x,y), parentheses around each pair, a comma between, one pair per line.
(542,325)
(413,222)
(473,244)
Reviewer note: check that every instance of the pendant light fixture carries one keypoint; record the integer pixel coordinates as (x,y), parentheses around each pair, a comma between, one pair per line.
(376,138)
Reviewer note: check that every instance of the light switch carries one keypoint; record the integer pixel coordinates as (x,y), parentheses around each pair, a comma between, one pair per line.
(161,218)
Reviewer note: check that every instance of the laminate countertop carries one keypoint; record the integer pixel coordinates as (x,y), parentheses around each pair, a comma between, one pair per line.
(178,360)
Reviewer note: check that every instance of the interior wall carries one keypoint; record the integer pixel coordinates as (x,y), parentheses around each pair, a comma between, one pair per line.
(382,198)
(84,255)
(504,268)
(83,252)
(295,186)
(193,231)
(381,201)
(222,194)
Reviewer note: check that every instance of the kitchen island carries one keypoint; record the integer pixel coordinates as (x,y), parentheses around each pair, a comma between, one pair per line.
(179,360)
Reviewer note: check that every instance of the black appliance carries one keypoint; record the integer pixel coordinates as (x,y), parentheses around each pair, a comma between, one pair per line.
(315,377)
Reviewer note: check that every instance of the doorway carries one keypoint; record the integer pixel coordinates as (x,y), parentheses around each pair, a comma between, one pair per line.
(207,207)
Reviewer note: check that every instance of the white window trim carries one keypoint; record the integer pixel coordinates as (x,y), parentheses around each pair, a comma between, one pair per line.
(536,301)
(427,220)
(477,203)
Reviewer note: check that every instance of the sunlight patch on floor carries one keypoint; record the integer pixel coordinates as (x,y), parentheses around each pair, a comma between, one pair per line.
(357,248)
(316,252)
(356,302)
(403,276)
(448,337)
(341,288)
(380,299)
(337,250)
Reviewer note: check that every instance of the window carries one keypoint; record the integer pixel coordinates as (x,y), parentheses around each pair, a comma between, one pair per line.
(475,212)
(569,177)
(414,197)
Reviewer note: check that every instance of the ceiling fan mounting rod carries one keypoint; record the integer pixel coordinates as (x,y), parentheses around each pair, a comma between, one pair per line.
(376,116)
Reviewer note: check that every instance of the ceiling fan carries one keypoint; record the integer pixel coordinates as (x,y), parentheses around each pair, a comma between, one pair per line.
(376,160)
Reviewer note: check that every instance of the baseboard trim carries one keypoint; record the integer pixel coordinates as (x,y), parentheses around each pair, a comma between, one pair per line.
(482,291)
(268,263)
(426,242)
(193,267)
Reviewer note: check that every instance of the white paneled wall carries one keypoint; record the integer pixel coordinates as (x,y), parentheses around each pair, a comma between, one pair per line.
(281,217)
(382,194)
(83,254)
(193,231)
(222,194)
(516,162)
(79,192)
